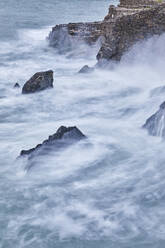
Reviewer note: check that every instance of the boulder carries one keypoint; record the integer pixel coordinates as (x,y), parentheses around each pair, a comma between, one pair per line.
(156,123)
(16,85)
(39,81)
(86,69)
(63,137)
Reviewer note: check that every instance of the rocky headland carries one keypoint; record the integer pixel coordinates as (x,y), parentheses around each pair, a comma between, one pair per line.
(128,23)
(131,21)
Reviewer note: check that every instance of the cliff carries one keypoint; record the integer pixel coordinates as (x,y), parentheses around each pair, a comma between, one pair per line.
(126,24)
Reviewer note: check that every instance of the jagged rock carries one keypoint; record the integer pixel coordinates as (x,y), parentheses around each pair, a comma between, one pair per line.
(63,137)
(131,21)
(16,85)
(86,69)
(39,81)
(156,123)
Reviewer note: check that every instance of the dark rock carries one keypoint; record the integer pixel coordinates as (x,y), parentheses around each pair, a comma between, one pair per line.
(156,123)
(63,137)
(39,81)
(16,85)
(86,69)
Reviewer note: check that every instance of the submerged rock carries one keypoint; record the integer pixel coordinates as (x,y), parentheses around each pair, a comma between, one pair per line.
(16,85)
(156,123)
(63,137)
(86,69)
(39,81)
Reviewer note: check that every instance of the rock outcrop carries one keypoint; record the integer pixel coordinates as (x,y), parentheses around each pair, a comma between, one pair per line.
(39,81)
(156,123)
(131,28)
(67,37)
(131,21)
(63,137)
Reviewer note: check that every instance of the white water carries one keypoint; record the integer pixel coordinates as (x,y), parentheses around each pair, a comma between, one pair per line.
(105,192)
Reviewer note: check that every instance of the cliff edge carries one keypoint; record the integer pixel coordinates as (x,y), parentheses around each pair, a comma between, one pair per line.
(126,24)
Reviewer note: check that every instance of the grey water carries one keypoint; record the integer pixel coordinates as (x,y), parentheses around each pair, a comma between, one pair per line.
(104,192)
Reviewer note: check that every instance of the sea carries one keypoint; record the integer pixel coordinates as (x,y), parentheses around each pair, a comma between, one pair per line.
(106,191)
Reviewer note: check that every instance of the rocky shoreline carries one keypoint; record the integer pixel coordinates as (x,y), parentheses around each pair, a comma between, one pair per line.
(126,24)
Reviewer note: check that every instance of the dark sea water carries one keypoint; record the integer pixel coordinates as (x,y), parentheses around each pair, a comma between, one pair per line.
(105,192)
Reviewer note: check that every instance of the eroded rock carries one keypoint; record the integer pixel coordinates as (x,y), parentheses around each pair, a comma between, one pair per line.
(39,81)
(133,24)
(68,37)
(63,137)
(156,123)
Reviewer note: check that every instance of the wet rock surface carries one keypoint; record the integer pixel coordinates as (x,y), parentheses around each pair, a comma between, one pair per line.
(38,82)
(64,137)
(156,123)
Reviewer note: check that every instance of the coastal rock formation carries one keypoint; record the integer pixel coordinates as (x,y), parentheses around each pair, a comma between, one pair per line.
(39,81)
(63,137)
(156,123)
(131,28)
(131,21)
(67,37)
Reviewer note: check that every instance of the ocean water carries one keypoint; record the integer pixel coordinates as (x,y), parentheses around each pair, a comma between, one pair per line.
(104,192)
